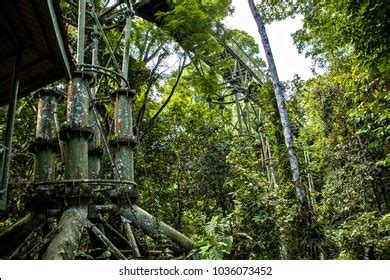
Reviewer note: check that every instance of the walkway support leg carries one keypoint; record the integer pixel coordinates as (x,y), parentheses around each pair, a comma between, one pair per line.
(70,227)
(179,243)
(46,143)
(124,143)
(95,151)
(9,131)
(66,242)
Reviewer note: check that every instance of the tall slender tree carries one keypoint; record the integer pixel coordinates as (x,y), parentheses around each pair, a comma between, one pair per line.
(280,100)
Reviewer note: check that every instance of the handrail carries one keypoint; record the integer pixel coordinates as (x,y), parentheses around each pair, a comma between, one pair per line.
(237,52)
(247,62)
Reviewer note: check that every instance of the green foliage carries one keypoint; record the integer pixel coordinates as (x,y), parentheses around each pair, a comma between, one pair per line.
(364,237)
(247,43)
(334,27)
(93,254)
(20,172)
(341,118)
(275,10)
(346,122)
(199,175)
(372,117)
(191,23)
(217,244)
(255,225)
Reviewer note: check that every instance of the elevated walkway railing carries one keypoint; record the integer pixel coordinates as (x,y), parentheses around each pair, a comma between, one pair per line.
(245,60)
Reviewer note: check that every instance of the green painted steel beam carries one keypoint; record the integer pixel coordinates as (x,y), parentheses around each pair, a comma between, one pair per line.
(81,32)
(123,153)
(95,151)
(46,141)
(77,133)
(10,130)
(126,49)
(60,40)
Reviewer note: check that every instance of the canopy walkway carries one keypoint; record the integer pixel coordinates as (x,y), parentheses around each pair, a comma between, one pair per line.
(147,9)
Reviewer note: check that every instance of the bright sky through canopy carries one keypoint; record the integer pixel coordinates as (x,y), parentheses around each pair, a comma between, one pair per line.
(288,61)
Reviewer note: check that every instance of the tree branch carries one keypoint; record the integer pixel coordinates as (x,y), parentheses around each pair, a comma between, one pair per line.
(141,112)
(181,70)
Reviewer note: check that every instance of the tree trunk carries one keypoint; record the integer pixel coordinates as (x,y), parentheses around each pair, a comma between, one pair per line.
(288,137)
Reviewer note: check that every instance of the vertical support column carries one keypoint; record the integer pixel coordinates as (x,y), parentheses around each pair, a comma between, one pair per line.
(125,141)
(266,152)
(95,151)
(46,144)
(10,130)
(126,101)
(126,49)
(247,116)
(81,32)
(76,134)
(238,108)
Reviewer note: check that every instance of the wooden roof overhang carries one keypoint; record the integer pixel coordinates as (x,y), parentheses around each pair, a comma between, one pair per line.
(35,29)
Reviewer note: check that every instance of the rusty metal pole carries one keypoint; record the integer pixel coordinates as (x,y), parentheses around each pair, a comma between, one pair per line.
(95,151)
(247,116)
(125,142)
(149,224)
(124,139)
(76,135)
(123,134)
(238,108)
(46,143)
(77,132)
(10,130)
(125,102)
(81,32)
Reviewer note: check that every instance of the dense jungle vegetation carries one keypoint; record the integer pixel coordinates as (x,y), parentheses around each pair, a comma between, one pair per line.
(197,173)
